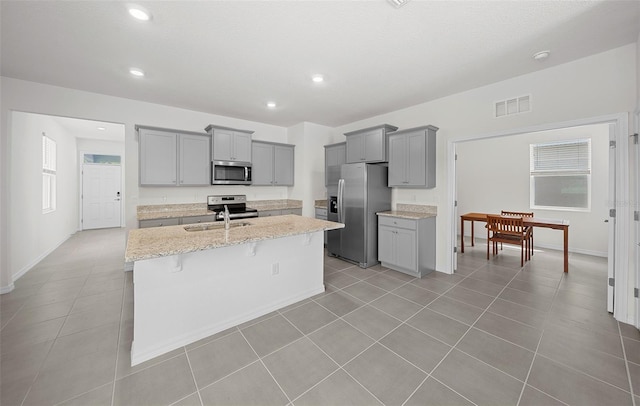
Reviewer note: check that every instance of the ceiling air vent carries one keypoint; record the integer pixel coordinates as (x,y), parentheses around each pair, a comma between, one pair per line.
(512,106)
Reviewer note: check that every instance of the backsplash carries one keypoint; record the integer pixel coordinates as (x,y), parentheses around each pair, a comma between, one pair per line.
(417,208)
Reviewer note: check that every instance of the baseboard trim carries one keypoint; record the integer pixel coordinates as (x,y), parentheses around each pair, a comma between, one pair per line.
(35,262)
(7,289)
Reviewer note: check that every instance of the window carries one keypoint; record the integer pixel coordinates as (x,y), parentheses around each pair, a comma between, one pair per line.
(561,175)
(48,174)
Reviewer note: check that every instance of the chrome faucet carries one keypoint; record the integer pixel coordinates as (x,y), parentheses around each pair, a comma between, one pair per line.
(226,217)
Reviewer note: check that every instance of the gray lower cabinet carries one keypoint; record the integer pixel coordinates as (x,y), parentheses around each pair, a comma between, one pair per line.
(273,164)
(321,213)
(230,144)
(412,157)
(197,219)
(407,245)
(175,221)
(173,158)
(368,144)
(159,222)
(334,156)
(269,213)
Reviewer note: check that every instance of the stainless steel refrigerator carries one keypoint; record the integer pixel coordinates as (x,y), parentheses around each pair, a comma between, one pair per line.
(354,199)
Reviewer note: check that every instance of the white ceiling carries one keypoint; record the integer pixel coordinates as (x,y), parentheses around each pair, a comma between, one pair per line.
(231,57)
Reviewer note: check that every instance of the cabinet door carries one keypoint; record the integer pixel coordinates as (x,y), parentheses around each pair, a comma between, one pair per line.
(283,165)
(222,145)
(397,161)
(262,166)
(198,219)
(406,256)
(375,146)
(386,243)
(195,162)
(334,156)
(269,213)
(241,147)
(158,158)
(355,148)
(159,222)
(416,159)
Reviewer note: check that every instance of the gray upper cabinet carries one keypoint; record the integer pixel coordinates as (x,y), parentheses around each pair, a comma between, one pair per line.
(368,144)
(173,158)
(334,156)
(412,157)
(273,164)
(194,160)
(229,144)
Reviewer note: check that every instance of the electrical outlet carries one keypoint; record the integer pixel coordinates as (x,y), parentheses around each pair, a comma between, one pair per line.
(275,269)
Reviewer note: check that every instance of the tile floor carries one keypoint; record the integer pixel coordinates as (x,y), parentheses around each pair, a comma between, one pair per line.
(492,334)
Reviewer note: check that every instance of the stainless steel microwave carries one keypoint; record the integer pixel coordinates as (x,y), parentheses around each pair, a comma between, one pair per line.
(230,173)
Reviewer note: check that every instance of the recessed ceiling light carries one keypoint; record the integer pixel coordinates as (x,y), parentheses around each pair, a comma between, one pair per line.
(101,128)
(136,72)
(541,56)
(271,104)
(317,78)
(139,13)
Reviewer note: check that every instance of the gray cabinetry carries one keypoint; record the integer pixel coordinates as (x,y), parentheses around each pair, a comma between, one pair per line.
(159,222)
(194,160)
(412,157)
(173,158)
(230,144)
(282,212)
(407,245)
(334,156)
(197,219)
(369,144)
(273,164)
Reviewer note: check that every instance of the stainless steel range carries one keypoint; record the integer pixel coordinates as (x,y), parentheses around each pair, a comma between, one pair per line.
(236,204)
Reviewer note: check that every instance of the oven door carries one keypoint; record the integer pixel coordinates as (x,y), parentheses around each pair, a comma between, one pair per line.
(230,173)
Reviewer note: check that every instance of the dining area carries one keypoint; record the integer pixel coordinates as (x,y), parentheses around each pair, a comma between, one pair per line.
(515,228)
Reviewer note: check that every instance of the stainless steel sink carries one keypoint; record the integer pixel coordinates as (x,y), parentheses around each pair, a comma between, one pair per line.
(214,226)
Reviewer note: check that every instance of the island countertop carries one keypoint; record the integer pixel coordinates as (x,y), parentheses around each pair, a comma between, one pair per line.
(147,243)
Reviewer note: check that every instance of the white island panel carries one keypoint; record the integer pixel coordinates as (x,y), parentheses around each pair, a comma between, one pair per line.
(180,299)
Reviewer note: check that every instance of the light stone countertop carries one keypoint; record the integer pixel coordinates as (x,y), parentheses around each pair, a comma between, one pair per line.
(279,204)
(147,243)
(165,211)
(411,211)
(320,204)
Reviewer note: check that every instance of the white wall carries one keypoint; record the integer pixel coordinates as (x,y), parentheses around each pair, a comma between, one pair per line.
(35,234)
(493,175)
(310,140)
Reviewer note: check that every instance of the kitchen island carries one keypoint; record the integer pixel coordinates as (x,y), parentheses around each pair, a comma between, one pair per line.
(196,280)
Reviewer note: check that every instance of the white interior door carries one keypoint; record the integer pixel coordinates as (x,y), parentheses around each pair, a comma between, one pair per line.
(612,221)
(101,196)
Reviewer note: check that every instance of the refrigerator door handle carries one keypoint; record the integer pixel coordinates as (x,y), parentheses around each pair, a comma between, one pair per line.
(340,197)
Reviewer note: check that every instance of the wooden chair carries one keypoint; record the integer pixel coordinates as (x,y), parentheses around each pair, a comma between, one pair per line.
(522,214)
(509,230)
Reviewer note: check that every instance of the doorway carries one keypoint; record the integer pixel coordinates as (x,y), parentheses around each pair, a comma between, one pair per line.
(619,229)
(101,191)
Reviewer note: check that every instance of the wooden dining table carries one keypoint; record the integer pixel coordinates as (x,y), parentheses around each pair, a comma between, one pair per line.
(556,224)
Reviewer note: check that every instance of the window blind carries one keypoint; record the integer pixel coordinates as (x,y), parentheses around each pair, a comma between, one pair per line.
(566,157)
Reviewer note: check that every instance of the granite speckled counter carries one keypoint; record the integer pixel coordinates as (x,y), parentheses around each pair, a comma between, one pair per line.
(411,211)
(320,204)
(158,242)
(166,211)
(279,204)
